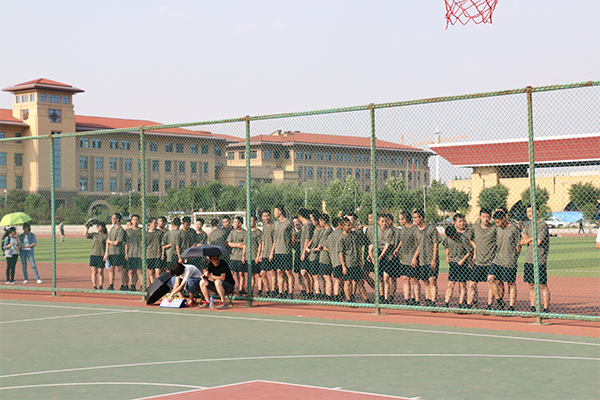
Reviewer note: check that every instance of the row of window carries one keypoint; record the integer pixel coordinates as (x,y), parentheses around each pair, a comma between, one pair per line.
(127,162)
(52,98)
(358,158)
(112,184)
(18,182)
(126,145)
(18,159)
(307,172)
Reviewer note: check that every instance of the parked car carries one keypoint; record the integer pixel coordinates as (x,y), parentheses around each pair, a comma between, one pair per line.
(554,222)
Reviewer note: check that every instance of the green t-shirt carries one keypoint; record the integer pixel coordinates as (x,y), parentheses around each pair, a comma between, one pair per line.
(543,248)
(134,243)
(306,233)
(237,237)
(283,236)
(408,237)
(426,238)
(332,244)
(170,237)
(186,239)
(507,241)
(324,255)
(154,243)
(458,247)
(255,241)
(314,243)
(218,238)
(485,243)
(98,243)
(117,234)
(267,240)
(349,250)
(201,237)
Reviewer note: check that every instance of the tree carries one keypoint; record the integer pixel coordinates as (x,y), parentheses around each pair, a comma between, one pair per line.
(585,197)
(37,208)
(541,200)
(14,200)
(493,198)
(82,202)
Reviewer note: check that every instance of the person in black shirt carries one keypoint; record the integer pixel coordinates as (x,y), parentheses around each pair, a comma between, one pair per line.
(216,278)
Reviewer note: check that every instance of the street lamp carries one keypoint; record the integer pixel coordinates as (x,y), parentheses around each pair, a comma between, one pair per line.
(159,196)
(306,195)
(354,197)
(563,199)
(128,210)
(5,196)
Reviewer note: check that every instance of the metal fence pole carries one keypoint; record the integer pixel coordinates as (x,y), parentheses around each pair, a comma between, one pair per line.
(143,200)
(375,217)
(532,193)
(53,214)
(248,205)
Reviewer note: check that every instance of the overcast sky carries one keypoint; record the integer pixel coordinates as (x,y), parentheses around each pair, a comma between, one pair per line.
(190,60)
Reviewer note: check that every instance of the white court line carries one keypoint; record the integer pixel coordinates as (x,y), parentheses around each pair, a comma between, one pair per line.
(101,383)
(314,323)
(306,356)
(62,316)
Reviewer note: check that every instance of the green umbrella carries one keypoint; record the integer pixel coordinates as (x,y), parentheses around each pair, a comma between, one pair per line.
(16,218)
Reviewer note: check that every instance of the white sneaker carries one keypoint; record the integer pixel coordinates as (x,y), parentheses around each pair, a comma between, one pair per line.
(39,281)
(8,282)
(25,281)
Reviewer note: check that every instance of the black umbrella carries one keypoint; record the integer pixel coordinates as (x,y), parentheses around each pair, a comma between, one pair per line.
(158,288)
(205,250)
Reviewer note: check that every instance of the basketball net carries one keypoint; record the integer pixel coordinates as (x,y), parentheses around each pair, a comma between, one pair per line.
(463,11)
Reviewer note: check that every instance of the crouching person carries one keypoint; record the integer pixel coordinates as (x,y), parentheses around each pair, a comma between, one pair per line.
(217,278)
(184,277)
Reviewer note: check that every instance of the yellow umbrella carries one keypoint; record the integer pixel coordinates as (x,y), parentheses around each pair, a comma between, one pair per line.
(16,218)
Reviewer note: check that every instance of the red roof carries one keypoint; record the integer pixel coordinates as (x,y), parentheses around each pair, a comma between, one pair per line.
(43,81)
(317,139)
(100,123)
(6,115)
(577,148)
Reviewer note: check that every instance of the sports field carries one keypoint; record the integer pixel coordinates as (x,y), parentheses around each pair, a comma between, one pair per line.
(92,351)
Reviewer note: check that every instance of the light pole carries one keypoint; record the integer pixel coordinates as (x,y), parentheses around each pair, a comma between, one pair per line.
(306,189)
(354,197)
(128,210)
(159,195)
(563,200)
(5,196)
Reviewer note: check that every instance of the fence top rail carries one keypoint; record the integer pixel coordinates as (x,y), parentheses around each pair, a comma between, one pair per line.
(319,112)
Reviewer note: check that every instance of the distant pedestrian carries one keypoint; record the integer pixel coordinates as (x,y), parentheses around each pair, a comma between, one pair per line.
(10,245)
(580,227)
(61,229)
(28,242)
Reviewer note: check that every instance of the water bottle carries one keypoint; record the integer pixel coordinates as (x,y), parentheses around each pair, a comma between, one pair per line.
(107,264)
(211,302)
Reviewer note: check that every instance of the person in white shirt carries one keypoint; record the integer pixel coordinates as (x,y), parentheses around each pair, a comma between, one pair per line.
(184,276)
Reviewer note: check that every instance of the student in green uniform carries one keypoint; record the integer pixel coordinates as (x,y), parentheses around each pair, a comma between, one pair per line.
(170,241)
(348,253)
(266,267)
(312,251)
(281,252)
(115,253)
(252,261)
(154,237)
(458,255)
(96,254)
(426,256)
(331,247)
(324,262)
(236,240)
(187,238)
(133,251)
(306,234)
(482,236)
(407,247)
(543,238)
(504,265)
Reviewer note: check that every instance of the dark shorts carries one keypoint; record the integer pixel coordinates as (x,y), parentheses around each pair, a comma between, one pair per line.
(353,273)
(303,265)
(384,266)
(238,266)
(229,288)
(394,268)
(425,272)
(529,276)
(96,262)
(325,269)
(153,263)
(458,273)
(116,260)
(256,268)
(266,265)
(479,273)
(369,267)
(314,267)
(133,263)
(282,262)
(504,274)
(408,271)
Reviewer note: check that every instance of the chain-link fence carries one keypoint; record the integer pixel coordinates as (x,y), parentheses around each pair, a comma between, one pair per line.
(421,205)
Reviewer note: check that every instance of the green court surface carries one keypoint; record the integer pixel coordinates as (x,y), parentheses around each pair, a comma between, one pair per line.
(75,351)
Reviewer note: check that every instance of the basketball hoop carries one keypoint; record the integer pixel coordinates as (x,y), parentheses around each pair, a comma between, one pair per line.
(463,11)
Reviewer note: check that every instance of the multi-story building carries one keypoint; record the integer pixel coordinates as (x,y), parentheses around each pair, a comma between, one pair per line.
(101,165)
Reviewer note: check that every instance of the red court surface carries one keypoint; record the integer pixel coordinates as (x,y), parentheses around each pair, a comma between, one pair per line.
(263,390)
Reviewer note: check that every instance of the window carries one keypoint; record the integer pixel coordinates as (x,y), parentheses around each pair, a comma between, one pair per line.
(357,173)
(393,174)
(114,144)
(128,164)
(1,135)
(24,98)
(139,187)
(182,166)
(127,183)
(181,184)
(155,185)
(299,172)
(267,154)
(97,143)
(401,174)
(409,176)
(330,173)
(276,154)
(242,155)
(25,115)
(204,149)
(193,167)
(167,185)
(319,172)
(126,145)
(366,158)
(83,184)
(253,154)
(348,172)
(167,166)
(206,168)
(84,142)
(193,183)
(298,155)
(319,156)
(357,158)
(169,147)
(241,183)
(309,172)
(18,159)
(410,161)
(367,174)
(286,155)
(194,149)
(42,97)
(419,176)
(179,148)
(218,151)
(383,160)
(154,165)
(230,155)
(99,163)
(17,99)
(2,158)
(112,164)
(347,157)
(307,155)
(57,160)
(153,146)
(66,100)
(99,185)
(425,176)
(339,157)
(327,156)
(112,185)
(399,160)
(393,159)
(32,97)
(54,116)
(338,173)
(385,175)
(417,161)
(18,182)
(52,98)
(82,162)
(2,181)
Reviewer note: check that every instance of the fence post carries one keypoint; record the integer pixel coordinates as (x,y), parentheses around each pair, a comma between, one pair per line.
(143,200)
(532,193)
(248,212)
(52,214)
(375,217)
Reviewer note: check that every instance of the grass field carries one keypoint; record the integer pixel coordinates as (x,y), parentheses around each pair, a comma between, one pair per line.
(569,256)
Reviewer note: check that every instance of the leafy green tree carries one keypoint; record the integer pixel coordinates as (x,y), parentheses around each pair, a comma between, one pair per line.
(541,199)
(71,215)
(493,197)
(15,198)
(37,208)
(585,196)
(82,202)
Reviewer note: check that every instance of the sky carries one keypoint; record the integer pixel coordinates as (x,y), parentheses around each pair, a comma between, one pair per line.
(192,60)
